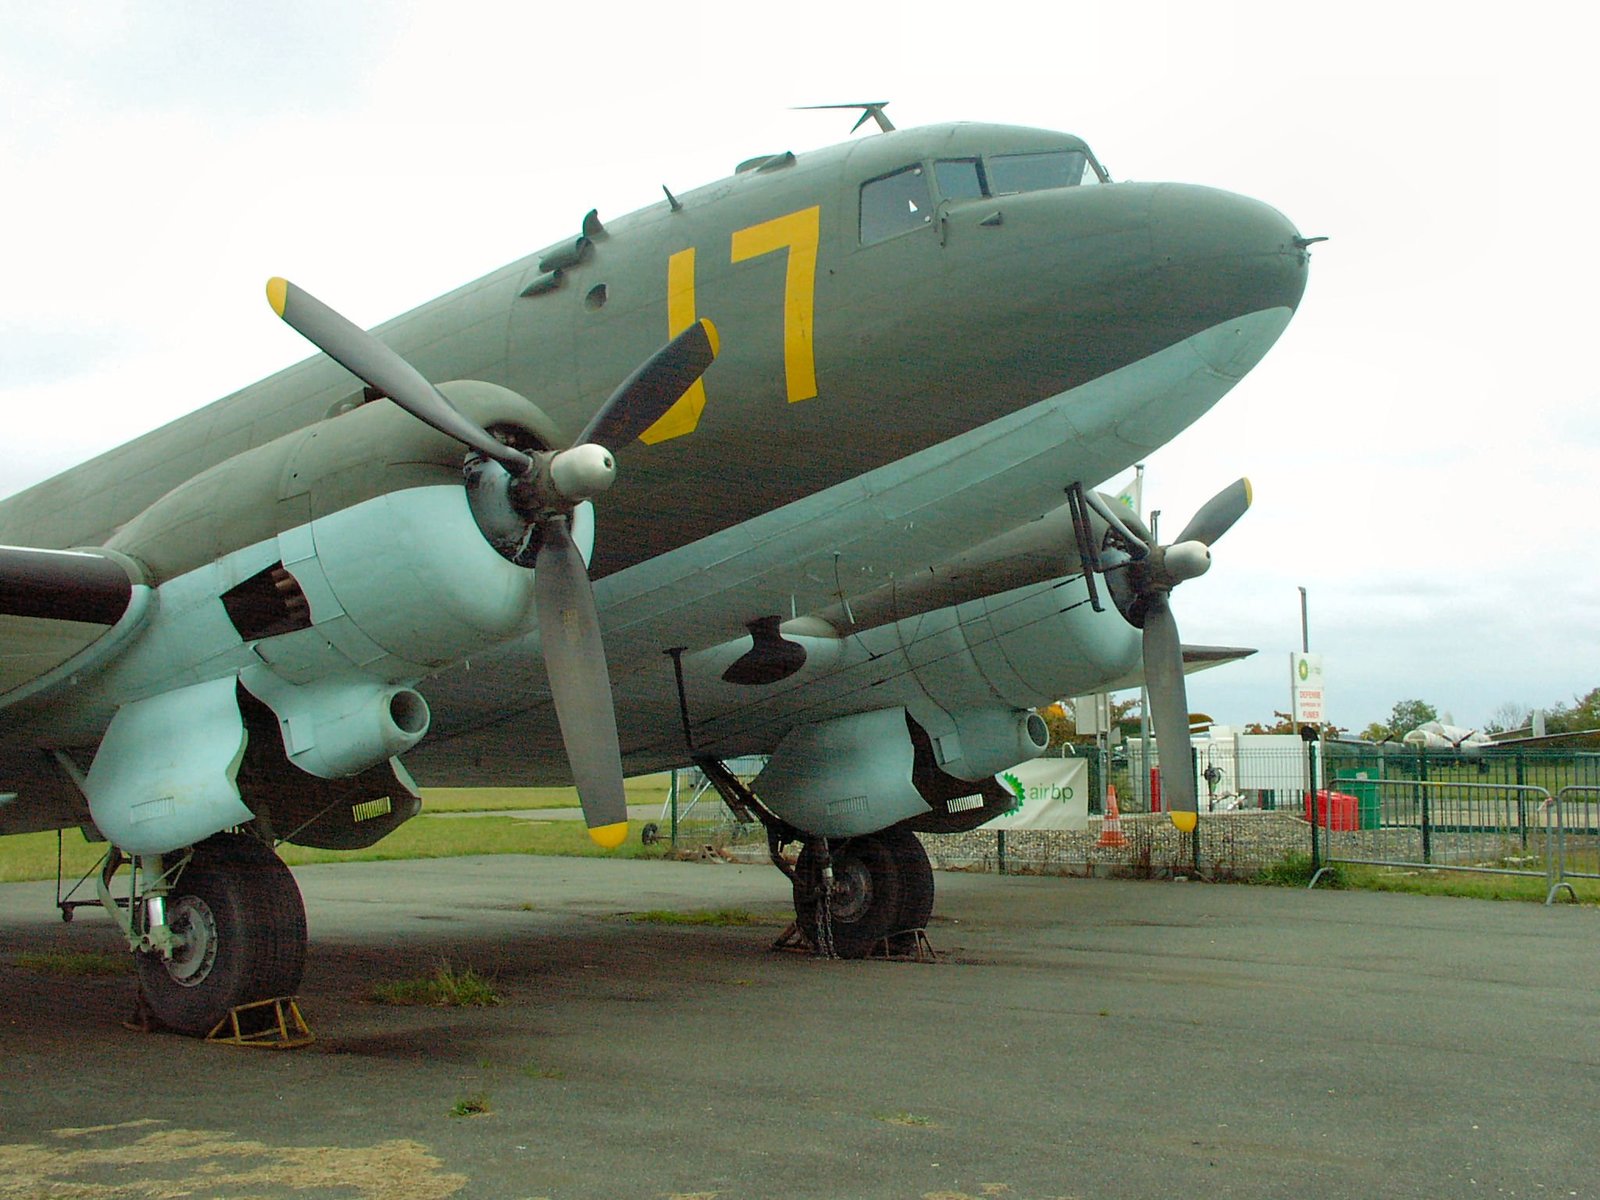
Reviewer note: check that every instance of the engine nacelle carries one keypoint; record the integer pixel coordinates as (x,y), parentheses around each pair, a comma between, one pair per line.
(861,773)
(987,741)
(342,726)
(845,777)
(413,574)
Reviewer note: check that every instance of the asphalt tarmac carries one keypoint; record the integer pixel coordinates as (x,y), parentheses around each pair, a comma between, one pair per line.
(1083,1038)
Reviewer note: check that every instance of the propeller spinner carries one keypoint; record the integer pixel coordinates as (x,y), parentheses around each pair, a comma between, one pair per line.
(1142,586)
(543,488)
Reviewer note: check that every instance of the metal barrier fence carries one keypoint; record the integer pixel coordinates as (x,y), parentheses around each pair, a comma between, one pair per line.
(1418,824)
(1577,833)
(1528,813)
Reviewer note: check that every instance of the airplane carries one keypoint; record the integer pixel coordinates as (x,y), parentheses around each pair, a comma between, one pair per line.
(1436,735)
(800,463)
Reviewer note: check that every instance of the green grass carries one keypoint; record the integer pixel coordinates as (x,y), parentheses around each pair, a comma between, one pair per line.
(703,916)
(907,1120)
(32,856)
(446,987)
(453,837)
(77,964)
(474,1105)
(1295,871)
(1470,884)
(646,789)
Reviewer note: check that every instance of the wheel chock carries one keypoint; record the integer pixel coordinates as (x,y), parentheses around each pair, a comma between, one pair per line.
(911,945)
(283,1028)
(793,940)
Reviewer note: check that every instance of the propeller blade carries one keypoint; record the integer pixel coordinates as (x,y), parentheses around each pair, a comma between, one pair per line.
(655,386)
(1169,708)
(369,360)
(569,629)
(1138,547)
(1217,515)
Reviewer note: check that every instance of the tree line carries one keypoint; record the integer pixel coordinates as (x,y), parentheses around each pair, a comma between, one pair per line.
(1582,714)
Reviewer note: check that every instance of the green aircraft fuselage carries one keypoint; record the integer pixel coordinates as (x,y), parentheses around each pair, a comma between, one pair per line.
(873,299)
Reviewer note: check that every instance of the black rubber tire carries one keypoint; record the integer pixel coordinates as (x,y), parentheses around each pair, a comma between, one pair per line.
(237,890)
(916,881)
(867,894)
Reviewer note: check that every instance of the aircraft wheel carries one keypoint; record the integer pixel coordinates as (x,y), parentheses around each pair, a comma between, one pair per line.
(242,925)
(866,900)
(916,882)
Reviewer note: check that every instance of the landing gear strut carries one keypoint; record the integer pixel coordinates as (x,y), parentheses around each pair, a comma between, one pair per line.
(852,896)
(234,929)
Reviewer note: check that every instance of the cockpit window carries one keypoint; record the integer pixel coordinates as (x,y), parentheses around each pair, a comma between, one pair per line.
(1036,172)
(895,204)
(958,178)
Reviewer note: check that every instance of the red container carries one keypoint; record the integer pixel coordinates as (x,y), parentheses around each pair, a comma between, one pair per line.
(1336,810)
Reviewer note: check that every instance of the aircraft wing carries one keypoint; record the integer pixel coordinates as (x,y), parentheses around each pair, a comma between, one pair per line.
(1577,739)
(1195,658)
(61,611)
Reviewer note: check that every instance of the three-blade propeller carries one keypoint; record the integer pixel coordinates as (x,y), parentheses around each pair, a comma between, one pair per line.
(543,487)
(1142,588)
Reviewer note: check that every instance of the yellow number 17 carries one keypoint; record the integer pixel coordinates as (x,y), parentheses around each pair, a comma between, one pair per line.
(799,233)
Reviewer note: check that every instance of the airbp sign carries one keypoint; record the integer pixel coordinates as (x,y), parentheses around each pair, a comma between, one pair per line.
(1305,686)
(1052,793)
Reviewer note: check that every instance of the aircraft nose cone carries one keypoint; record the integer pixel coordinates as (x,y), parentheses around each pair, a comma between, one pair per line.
(1220,249)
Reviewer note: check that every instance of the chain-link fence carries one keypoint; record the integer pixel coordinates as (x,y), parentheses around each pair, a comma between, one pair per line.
(694,817)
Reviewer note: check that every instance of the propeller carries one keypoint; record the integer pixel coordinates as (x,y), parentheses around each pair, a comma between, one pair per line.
(542,488)
(1141,578)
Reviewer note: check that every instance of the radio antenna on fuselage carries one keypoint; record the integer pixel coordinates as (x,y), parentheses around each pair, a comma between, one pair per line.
(870,109)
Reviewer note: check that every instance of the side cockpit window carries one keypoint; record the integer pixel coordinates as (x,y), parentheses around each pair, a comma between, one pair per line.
(1036,172)
(895,204)
(959,178)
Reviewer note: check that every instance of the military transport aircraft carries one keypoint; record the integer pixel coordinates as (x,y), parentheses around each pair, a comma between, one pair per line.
(802,463)
(1435,735)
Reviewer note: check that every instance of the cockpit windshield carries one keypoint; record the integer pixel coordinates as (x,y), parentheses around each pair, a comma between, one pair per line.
(899,202)
(1036,172)
(1008,174)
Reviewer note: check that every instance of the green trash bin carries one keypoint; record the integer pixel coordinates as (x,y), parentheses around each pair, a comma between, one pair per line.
(1365,789)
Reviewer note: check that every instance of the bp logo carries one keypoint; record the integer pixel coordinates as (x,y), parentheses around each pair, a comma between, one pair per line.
(1305,670)
(1017,790)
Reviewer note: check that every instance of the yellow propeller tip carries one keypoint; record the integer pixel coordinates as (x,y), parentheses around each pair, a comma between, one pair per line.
(712,336)
(1184,821)
(1249,494)
(278,294)
(609,837)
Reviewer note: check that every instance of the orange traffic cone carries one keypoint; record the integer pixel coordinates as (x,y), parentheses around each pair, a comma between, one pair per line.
(1111,828)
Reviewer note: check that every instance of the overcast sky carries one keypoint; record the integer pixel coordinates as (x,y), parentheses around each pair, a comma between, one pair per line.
(1422,440)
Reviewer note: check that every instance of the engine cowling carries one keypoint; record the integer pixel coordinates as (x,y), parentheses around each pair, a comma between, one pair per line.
(842,778)
(986,741)
(410,576)
(342,726)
